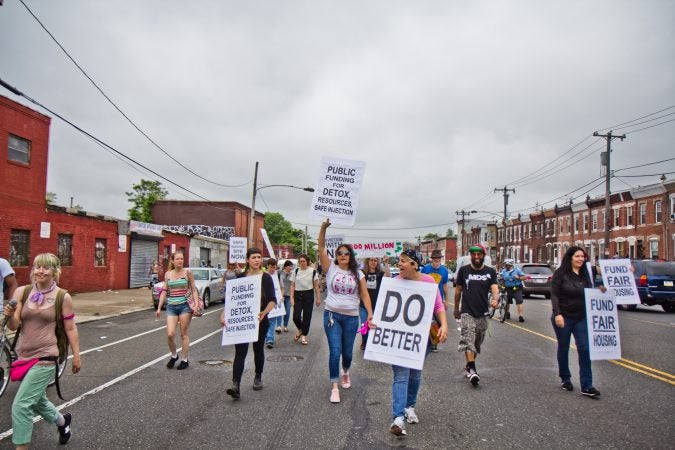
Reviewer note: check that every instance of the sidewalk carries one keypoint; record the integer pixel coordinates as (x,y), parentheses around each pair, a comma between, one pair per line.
(103,304)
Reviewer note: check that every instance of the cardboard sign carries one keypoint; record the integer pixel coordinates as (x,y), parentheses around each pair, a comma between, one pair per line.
(268,244)
(619,279)
(280,309)
(332,244)
(403,317)
(336,195)
(242,305)
(603,325)
(377,249)
(238,250)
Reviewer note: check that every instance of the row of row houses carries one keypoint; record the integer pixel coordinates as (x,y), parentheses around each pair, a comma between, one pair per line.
(641,222)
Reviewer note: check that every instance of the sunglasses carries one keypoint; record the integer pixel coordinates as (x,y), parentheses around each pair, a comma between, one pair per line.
(343,253)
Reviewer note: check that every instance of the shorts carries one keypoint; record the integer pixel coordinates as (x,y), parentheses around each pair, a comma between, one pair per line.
(178,309)
(516,294)
(472,334)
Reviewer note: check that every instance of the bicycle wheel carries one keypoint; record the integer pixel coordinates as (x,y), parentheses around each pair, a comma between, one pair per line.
(5,362)
(502,307)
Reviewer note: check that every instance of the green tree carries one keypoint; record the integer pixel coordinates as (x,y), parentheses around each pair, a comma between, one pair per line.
(450,232)
(430,236)
(280,231)
(143,196)
(51,198)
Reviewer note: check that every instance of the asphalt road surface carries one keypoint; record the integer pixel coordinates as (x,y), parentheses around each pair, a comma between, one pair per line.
(125,397)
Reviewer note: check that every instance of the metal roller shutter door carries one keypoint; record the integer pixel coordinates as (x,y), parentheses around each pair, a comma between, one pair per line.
(143,253)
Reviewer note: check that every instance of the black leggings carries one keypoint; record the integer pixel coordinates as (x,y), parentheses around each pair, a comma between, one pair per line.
(241,350)
(302,311)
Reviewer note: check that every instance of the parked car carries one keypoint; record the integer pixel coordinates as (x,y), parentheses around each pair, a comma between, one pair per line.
(208,282)
(537,279)
(655,281)
(394,271)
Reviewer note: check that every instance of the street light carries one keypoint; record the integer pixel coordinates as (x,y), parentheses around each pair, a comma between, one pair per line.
(257,188)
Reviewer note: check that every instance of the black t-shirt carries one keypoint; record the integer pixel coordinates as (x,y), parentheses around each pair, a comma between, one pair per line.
(567,294)
(373,283)
(476,285)
(267,294)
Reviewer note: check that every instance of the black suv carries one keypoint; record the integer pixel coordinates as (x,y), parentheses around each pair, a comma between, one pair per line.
(655,281)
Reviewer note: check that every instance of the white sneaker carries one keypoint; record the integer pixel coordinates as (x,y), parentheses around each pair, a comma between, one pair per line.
(410,415)
(335,395)
(398,427)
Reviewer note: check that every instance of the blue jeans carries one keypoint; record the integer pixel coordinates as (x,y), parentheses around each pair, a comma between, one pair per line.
(579,329)
(287,305)
(341,334)
(404,389)
(274,322)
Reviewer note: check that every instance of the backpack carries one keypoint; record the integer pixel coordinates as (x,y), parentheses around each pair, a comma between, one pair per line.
(313,273)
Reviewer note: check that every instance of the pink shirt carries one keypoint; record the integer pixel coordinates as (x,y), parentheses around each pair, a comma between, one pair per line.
(438,304)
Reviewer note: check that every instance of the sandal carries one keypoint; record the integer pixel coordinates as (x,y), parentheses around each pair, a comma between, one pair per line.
(297,336)
(304,341)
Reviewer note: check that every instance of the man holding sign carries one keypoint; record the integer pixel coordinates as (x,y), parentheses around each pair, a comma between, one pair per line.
(404,315)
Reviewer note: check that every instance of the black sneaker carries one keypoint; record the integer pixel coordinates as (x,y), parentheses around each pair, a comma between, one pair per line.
(171,362)
(234,390)
(508,315)
(567,386)
(64,431)
(591,392)
(183,365)
(434,348)
(474,378)
(520,319)
(257,383)
(270,345)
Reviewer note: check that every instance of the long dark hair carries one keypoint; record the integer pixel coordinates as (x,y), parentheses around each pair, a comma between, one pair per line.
(566,263)
(353,265)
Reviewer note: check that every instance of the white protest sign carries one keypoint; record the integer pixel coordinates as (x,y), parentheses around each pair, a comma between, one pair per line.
(618,278)
(403,317)
(279,309)
(336,194)
(377,249)
(242,305)
(332,244)
(268,244)
(237,249)
(603,325)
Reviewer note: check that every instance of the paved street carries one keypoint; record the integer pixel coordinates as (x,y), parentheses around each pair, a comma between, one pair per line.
(126,398)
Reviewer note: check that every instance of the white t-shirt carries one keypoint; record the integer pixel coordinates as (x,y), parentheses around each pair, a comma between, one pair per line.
(5,271)
(303,279)
(343,291)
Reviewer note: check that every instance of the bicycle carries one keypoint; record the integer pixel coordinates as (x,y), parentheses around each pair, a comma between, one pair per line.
(501,304)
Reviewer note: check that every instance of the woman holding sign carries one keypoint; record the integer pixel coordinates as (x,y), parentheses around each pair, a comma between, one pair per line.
(407,381)
(345,285)
(569,318)
(267,303)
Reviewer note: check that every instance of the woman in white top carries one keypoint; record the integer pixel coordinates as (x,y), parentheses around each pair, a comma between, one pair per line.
(304,292)
(345,285)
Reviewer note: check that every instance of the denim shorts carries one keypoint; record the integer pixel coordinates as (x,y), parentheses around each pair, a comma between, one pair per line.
(176,309)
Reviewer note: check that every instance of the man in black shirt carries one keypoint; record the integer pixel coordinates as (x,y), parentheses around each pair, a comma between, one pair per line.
(474,284)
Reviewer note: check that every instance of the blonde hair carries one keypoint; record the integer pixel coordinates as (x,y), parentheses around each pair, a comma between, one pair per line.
(48,260)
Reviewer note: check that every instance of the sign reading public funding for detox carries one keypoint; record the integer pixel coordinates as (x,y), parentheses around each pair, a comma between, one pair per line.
(403,317)
(619,279)
(603,325)
(336,195)
(242,305)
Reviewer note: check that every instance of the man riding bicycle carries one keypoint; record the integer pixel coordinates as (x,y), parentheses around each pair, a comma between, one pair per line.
(513,281)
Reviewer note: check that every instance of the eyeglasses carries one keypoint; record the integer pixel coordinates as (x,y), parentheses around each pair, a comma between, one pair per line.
(343,253)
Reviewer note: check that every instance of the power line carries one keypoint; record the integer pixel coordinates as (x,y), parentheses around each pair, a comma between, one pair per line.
(639,118)
(647,175)
(159,147)
(646,128)
(646,164)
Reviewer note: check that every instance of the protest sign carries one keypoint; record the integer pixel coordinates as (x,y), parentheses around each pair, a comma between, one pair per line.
(619,279)
(242,305)
(336,195)
(279,309)
(332,244)
(237,249)
(268,244)
(377,249)
(603,325)
(403,317)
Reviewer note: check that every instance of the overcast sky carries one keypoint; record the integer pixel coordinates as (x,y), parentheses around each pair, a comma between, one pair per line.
(443,100)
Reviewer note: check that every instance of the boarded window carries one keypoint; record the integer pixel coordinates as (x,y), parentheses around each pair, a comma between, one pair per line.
(18,149)
(100,253)
(65,249)
(19,246)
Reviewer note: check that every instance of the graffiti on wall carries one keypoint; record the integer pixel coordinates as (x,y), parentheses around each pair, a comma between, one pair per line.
(217,232)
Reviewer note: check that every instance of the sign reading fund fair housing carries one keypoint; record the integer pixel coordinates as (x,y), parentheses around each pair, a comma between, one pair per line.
(336,195)
(619,280)
(403,317)
(603,325)
(242,305)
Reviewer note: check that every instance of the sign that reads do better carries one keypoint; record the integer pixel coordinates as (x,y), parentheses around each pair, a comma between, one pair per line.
(403,317)
(603,325)
(336,195)
(242,305)
(619,279)
(237,250)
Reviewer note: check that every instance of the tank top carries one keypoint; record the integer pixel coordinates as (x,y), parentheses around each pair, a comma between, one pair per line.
(177,291)
(37,338)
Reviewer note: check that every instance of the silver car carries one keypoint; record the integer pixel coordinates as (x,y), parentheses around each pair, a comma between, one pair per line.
(208,283)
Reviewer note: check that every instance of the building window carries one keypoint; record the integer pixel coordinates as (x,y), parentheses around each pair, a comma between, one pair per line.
(585,222)
(595,221)
(18,149)
(672,208)
(643,213)
(617,215)
(19,246)
(629,215)
(657,209)
(65,249)
(653,248)
(576,224)
(100,253)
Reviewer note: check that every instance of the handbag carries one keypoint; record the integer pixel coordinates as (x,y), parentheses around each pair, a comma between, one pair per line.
(195,304)
(19,369)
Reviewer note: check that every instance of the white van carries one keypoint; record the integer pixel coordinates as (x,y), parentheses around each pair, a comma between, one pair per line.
(466,260)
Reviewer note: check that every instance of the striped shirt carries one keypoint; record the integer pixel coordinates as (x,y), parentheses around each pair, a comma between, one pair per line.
(177,291)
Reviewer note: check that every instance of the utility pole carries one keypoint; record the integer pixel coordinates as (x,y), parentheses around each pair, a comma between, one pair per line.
(461,234)
(608,176)
(505,191)
(304,241)
(252,217)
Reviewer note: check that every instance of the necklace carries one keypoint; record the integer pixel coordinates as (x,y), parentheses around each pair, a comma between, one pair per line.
(39,296)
